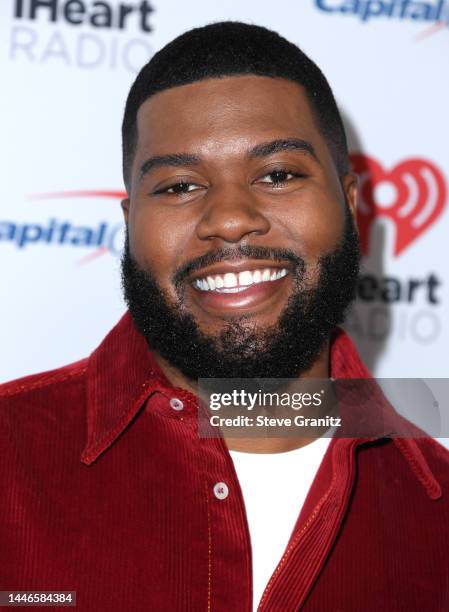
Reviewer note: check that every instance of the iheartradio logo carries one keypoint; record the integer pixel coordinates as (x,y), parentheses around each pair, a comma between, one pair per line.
(412,194)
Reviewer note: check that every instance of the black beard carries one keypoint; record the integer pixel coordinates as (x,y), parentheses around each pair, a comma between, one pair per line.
(285,350)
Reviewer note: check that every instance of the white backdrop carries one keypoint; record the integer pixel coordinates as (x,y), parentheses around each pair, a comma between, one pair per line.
(66,69)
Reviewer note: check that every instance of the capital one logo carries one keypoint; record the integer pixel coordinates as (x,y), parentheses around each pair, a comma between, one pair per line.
(412,195)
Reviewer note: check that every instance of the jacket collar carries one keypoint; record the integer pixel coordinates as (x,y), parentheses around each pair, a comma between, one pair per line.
(122,374)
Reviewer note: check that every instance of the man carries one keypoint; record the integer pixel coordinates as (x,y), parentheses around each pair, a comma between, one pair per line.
(241,259)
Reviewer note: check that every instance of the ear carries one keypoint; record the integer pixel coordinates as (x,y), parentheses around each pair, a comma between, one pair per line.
(350,185)
(125,208)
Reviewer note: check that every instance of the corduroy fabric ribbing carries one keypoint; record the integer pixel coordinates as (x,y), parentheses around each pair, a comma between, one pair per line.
(109,491)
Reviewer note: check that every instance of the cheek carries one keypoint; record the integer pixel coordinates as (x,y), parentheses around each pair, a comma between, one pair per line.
(314,223)
(156,242)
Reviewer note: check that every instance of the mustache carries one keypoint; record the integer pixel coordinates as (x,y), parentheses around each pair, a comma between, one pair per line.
(235,253)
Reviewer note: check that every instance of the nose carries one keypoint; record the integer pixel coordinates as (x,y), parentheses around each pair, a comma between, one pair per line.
(230,214)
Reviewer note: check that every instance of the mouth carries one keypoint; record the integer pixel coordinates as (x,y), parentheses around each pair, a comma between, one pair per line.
(230,282)
(239,286)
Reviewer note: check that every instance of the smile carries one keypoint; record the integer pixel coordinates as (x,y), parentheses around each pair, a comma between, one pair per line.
(231,282)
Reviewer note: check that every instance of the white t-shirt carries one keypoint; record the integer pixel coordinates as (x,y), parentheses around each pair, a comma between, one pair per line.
(274,487)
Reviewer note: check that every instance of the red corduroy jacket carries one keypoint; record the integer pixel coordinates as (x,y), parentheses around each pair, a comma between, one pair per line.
(107,490)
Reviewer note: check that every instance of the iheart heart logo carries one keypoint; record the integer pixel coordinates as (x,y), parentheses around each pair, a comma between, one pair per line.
(412,194)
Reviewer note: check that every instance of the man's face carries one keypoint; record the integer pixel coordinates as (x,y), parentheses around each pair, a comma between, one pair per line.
(237,223)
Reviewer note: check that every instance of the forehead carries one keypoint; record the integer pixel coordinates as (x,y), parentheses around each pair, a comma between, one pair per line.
(224,113)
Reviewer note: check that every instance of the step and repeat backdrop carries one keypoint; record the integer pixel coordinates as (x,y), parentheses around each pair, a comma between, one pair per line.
(66,67)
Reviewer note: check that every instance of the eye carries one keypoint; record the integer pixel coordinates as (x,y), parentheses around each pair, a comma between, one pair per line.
(178,188)
(279,177)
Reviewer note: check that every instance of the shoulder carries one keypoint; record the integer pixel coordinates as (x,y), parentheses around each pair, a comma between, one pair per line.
(38,410)
(42,426)
(437,457)
(42,383)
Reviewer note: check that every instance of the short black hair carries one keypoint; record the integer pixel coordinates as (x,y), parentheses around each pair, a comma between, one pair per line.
(233,48)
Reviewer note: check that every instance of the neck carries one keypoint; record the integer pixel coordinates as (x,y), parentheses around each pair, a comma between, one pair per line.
(319,369)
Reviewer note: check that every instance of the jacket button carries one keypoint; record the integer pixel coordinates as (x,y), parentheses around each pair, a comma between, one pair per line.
(221,490)
(176,403)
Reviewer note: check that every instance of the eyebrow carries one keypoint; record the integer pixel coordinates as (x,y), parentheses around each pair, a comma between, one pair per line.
(283,144)
(261,150)
(172,159)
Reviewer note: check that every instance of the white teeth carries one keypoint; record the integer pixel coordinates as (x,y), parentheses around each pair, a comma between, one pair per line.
(230,279)
(232,289)
(245,278)
(257,276)
(218,282)
(266,276)
(233,283)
